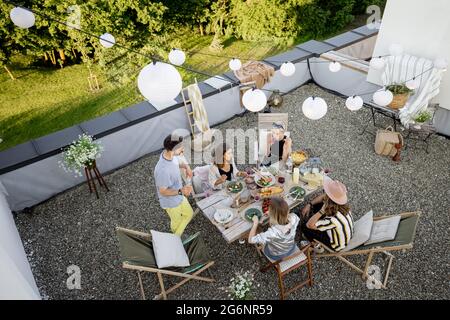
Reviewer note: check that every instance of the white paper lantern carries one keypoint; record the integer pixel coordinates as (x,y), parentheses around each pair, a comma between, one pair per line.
(334,66)
(412,84)
(159,82)
(254,100)
(440,63)
(177,57)
(22,18)
(107,40)
(235,64)
(377,63)
(314,108)
(383,97)
(287,69)
(354,103)
(395,49)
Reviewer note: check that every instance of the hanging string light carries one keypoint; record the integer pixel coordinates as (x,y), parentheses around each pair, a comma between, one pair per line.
(354,103)
(383,97)
(287,69)
(159,82)
(235,64)
(314,108)
(254,100)
(22,17)
(107,40)
(177,57)
(377,63)
(412,84)
(334,66)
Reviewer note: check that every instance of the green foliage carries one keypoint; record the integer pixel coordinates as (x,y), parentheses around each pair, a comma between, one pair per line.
(423,116)
(360,6)
(398,88)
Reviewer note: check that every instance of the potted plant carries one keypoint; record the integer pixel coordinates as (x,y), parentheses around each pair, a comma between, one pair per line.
(421,118)
(240,286)
(81,154)
(401,94)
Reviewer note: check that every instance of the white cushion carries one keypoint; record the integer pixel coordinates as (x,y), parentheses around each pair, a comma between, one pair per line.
(361,231)
(286,264)
(384,230)
(169,250)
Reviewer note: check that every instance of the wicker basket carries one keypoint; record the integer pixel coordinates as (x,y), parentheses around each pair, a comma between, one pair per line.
(399,100)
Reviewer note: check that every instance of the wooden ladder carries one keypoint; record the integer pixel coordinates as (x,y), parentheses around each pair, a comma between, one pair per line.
(189,111)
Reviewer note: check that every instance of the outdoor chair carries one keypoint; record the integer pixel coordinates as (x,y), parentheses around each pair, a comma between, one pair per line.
(300,258)
(403,240)
(137,254)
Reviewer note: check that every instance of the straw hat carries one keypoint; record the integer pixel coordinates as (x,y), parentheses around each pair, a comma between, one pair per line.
(335,190)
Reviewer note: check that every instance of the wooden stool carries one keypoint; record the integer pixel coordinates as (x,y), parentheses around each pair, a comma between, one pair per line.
(90,178)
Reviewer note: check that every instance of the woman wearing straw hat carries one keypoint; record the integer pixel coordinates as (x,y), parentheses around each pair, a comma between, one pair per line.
(328,218)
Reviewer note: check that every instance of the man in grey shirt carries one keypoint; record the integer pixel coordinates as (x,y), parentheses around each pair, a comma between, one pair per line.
(171,193)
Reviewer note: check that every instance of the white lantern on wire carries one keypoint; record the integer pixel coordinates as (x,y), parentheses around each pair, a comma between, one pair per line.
(177,57)
(377,63)
(159,82)
(314,108)
(254,100)
(22,18)
(440,63)
(235,64)
(395,49)
(354,103)
(287,69)
(412,84)
(107,40)
(383,97)
(334,66)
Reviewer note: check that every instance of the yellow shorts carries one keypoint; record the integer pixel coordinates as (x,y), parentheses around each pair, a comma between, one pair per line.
(180,216)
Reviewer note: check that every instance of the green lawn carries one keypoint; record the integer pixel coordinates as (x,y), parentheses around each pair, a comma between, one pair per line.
(41,101)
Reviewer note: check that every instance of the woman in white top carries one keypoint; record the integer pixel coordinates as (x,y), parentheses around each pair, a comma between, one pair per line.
(223,168)
(279,239)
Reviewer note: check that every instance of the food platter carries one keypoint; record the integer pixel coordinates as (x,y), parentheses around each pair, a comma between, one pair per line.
(261,183)
(266,205)
(270,191)
(249,213)
(297,192)
(299,157)
(223,215)
(234,186)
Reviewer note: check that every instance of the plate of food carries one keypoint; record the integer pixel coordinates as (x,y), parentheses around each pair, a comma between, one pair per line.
(235,186)
(265,179)
(266,205)
(249,213)
(297,192)
(299,157)
(223,215)
(270,191)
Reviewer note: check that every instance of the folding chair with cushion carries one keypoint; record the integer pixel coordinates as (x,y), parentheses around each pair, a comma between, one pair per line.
(137,254)
(298,259)
(403,240)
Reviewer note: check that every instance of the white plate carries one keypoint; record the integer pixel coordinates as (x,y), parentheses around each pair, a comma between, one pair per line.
(266,174)
(223,215)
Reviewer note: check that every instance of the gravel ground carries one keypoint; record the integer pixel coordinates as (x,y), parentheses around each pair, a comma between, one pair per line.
(75,228)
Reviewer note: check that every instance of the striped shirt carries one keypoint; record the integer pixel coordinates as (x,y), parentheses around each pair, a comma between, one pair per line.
(339,229)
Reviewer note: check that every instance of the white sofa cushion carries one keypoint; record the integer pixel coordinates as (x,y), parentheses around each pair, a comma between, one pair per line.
(169,250)
(361,232)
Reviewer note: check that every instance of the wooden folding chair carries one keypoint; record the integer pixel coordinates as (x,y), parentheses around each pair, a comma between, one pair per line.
(137,254)
(300,258)
(404,240)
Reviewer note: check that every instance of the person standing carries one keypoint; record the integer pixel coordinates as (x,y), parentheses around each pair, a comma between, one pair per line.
(171,193)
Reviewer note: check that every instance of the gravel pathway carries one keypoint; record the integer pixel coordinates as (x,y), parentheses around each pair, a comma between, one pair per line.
(75,228)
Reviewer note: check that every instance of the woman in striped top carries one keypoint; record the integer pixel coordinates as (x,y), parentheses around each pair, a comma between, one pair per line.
(328,218)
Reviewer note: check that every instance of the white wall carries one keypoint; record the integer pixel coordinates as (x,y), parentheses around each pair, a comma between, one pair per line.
(422,27)
(16,279)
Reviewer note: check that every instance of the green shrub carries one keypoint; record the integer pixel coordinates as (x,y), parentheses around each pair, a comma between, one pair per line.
(398,88)
(423,116)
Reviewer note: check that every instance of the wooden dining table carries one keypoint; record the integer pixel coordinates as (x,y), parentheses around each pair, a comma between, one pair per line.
(239,227)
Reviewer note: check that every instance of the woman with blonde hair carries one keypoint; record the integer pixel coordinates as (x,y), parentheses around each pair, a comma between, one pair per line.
(279,240)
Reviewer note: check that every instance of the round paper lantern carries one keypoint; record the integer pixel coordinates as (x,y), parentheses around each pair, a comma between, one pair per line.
(314,108)
(395,49)
(334,66)
(377,63)
(107,40)
(22,18)
(159,82)
(287,69)
(354,103)
(412,84)
(383,97)
(235,64)
(254,100)
(440,63)
(177,57)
